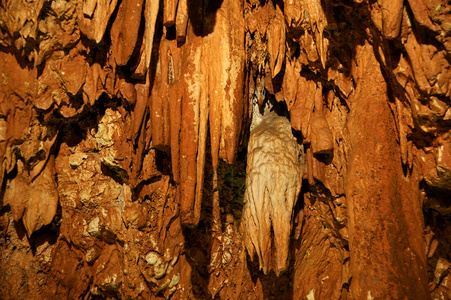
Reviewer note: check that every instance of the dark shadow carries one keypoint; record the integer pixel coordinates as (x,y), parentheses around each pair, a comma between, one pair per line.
(137,190)
(202,15)
(98,51)
(438,194)
(406,170)
(349,30)
(5,186)
(20,56)
(278,80)
(299,219)
(197,246)
(298,135)
(20,229)
(158,35)
(325,158)
(437,226)
(274,287)
(163,162)
(199,239)
(72,134)
(421,139)
(232,185)
(280,108)
(171,33)
(117,173)
(278,3)
(75,129)
(47,234)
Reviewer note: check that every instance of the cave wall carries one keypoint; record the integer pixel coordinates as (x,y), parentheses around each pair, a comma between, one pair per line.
(124,129)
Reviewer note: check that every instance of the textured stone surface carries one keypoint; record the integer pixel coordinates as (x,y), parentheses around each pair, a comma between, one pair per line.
(125,135)
(394,234)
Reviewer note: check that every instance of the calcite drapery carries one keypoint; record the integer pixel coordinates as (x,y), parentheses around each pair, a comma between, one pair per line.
(273,182)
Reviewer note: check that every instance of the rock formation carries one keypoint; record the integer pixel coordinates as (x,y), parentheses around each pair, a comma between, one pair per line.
(125,132)
(273,183)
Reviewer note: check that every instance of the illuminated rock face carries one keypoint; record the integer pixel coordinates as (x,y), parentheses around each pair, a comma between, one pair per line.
(132,164)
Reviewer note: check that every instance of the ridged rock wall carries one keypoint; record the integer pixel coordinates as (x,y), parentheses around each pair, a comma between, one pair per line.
(127,154)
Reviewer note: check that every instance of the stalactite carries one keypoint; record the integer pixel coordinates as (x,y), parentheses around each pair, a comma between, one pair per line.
(181,20)
(142,95)
(189,135)
(95,17)
(302,110)
(124,31)
(319,133)
(159,101)
(169,12)
(150,16)
(226,80)
(276,43)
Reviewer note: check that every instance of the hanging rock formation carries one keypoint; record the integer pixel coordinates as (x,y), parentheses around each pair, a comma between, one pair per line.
(273,183)
(132,166)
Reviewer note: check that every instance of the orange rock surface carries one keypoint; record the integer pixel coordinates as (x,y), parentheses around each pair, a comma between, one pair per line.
(129,168)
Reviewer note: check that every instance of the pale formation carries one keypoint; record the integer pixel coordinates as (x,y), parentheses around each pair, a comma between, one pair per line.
(272,186)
